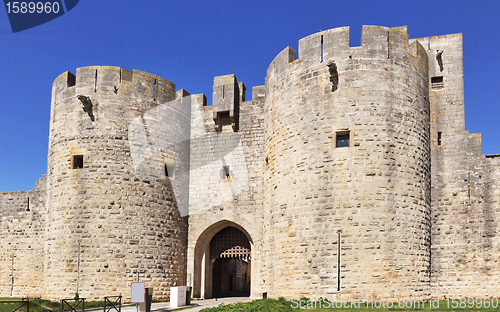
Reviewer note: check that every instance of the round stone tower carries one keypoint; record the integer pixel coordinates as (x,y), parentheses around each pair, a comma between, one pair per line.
(105,221)
(347,174)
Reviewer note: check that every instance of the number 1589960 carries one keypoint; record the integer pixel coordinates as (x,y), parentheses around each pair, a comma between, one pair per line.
(32,7)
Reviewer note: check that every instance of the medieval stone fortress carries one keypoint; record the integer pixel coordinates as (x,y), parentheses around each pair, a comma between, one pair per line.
(349,173)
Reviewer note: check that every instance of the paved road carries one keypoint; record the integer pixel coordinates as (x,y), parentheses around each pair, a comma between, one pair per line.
(196,305)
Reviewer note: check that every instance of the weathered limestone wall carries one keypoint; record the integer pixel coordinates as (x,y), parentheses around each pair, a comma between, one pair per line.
(375,211)
(465,206)
(22,226)
(216,201)
(376,192)
(107,221)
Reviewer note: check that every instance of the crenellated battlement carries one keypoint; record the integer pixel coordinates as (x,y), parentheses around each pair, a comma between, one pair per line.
(114,81)
(227,95)
(362,147)
(377,42)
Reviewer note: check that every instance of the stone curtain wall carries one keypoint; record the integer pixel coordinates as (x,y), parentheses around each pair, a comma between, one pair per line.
(376,192)
(271,168)
(216,200)
(22,228)
(465,206)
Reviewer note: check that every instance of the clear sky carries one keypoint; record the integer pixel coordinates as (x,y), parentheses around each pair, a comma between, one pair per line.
(190,42)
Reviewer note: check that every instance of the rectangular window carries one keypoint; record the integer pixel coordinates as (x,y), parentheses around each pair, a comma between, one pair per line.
(342,139)
(437,83)
(77,162)
(439,138)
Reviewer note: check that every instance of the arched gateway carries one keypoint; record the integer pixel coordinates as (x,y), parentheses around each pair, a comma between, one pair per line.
(222,261)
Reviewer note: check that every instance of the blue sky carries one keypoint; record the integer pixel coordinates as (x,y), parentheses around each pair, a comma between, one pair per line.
(190,42)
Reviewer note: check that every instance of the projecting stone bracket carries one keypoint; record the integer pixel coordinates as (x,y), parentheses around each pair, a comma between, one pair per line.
(87,105)
(225,118)
(439,59)
(334,75)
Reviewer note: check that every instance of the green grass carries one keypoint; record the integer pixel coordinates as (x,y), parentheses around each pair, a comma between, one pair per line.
(41,305)
(324,305)
(257,305)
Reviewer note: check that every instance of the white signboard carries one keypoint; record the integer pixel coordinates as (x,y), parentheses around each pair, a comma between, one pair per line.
(137,293)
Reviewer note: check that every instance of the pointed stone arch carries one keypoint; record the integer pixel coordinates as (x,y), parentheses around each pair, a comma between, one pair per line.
(200,263)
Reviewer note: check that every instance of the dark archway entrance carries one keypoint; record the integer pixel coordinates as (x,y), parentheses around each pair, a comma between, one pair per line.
(230,255)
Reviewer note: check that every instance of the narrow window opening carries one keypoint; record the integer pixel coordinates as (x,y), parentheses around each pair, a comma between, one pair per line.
(222,92)
(77,162)
(468,186)
(388,45)
(154,95)
(225,171)
(437,83)
(338,262)
(342,139)
(321,48)
(439,138)
(28,205)
(95,84)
